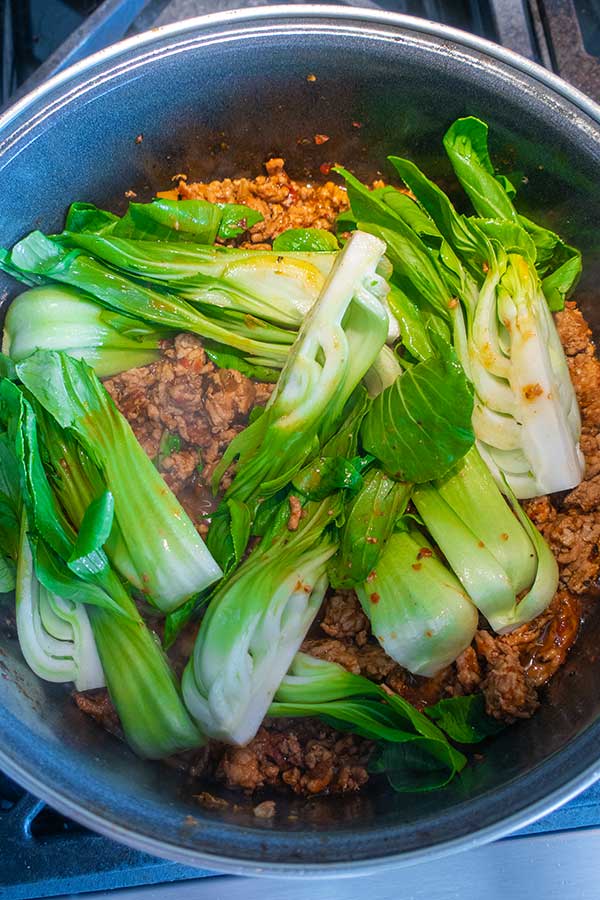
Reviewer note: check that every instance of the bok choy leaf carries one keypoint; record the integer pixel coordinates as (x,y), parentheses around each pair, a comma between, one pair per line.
(196,221)
(414,755)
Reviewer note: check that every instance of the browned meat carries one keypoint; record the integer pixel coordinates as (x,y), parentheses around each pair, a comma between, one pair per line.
(284,203)
(544,643)
(343,653)
(178,468)
(574,332)
(508,692)
(574,541)
(468,672)
(98,705)
(304,755)
(184,394)
(343,617)
(372,661)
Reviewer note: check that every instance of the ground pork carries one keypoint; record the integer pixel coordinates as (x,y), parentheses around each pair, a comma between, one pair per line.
(283,203)
(508,692)
(186,395)
(305,756)
(98,705)
(343,617)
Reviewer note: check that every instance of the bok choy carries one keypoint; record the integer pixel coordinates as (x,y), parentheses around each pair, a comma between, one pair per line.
(168,561)
(72,566)
(502,561)
(338,342)
(54,633)
(419,611)
(485,278)
(255,624)
(57,317)
(411,750)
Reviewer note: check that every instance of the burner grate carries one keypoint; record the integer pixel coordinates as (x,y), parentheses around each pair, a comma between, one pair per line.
(43,854)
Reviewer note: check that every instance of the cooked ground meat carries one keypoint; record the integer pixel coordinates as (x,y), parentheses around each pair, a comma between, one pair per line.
(98,705)
(303,755)
(185,395)
(283,202)
(343,617)
(508,692)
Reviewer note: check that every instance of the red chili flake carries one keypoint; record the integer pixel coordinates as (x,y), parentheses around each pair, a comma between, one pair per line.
(452,304)
(321,139)
(428,633)
(325,168)
(139,139)
(374,598)
(480,544)
(485,267)
(357,124)
(372,575)
(504,536)
(311,77)
(371,540)
(417,566)
(130,194)
(424,551)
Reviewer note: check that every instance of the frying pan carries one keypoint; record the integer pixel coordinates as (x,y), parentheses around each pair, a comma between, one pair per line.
(216,96)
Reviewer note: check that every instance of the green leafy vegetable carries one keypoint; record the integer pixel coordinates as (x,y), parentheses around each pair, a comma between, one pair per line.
(464,719)
(196,221)
(49,595)
(421,424)
(419,611)
(255,624)
(56,317)
(501,563)
(483,278)
(39,254)
(55,635)
(409,750)
(276,286)
(339,340)
(168,560)
(370,518)
(466,143)
(308,240)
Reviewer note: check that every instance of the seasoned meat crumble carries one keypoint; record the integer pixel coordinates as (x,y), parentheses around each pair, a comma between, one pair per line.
(185,397)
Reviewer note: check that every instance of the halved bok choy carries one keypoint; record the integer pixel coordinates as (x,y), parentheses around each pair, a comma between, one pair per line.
(72,565)
(500,558)
(58,317)
(338,342)
(160,551)
(54,633)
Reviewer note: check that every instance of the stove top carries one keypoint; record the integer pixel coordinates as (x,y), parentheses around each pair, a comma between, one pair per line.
(43,854)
